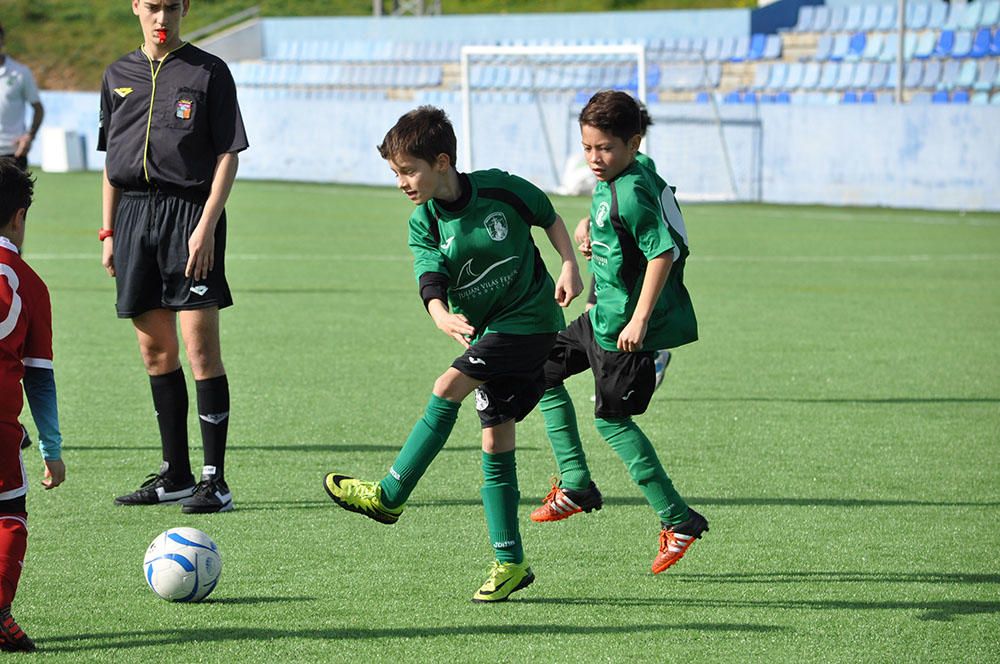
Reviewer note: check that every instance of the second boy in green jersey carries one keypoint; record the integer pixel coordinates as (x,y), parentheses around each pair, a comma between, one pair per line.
(484,284)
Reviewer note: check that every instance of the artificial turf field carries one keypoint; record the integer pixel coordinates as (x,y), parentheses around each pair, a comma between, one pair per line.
(838,423)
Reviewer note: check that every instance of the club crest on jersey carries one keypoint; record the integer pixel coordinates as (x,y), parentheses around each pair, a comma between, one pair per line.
(496,226)
(184,109)
(602,214)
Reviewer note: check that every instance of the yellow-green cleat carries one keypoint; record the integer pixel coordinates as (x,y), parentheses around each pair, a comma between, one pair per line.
(504,579)
(359,496)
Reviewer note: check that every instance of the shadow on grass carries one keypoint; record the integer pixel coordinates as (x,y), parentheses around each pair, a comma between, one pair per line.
(302,447)
(941,611)
(849,401)
(162,637)
(844,577)
(747,501)
(256,600)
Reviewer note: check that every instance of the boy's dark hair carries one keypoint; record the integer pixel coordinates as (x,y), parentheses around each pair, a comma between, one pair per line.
(645,122)
(613,112)
(424,133)
(16,190)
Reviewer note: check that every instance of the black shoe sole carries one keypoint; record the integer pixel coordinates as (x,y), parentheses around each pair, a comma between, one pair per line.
(381,518)
(525,582)
(207,509)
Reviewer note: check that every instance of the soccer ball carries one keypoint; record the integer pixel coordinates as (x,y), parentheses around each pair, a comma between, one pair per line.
(182,565)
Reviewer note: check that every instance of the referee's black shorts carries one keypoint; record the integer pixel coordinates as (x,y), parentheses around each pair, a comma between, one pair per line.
(152,229)
(623,382)
(511,365)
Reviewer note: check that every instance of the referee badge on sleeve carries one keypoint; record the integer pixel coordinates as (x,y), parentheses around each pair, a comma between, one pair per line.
(183,110)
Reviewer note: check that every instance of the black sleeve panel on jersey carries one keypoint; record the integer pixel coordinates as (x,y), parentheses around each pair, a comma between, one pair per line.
(105,115)
(633,260)
(511,199)
(433,286)
(228,133)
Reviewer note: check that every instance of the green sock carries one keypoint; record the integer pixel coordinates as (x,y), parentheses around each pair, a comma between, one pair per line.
(560,425)
(631,444)
(500,498)
(424,443)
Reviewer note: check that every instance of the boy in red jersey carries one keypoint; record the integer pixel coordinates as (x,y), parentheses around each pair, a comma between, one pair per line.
(25,355)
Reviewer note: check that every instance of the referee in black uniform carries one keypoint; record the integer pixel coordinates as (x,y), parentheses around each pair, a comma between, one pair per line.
(172,129)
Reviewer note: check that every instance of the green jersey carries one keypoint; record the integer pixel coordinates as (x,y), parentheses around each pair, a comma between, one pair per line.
(645,161)
(633,219)
(483,244)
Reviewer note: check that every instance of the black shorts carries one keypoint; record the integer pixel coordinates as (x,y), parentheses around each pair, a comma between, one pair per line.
(623,382)
(512,367)
(22,161)
(151,251)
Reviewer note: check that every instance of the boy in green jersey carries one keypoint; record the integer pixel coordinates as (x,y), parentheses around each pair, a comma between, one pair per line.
(638,248)
(484,284)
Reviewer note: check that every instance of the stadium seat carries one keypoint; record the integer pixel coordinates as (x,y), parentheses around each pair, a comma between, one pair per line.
(712,48)
(731,97)
(887,17)
(748,98)
(967,74)
(932,74)
(824,48)
(949,74)
(940,97)
(963,44)
(856,46)
(890,47)
(867,97)
(987,75)
(845,76)
(838,17)
(879,74)
(873,45)
(995,44)
(921,98)
(793,79)
(728,49)
(821,19)
(910,45)
(938,15)
(890,76)
(713,73)
(973,15)
(917,14)
(945,44)
(828,78)
(841,43)
(991,14)
(741,50)
(979,99)
(995,99)
(913,73)
(772,47)
(782,98)
(925,46)
(849,97)
(980,43)
(756,51)
(761,75)
(862,75)
(852,23)
(960,97)
(805,19)
(869,17)
(778,77)
(810,76)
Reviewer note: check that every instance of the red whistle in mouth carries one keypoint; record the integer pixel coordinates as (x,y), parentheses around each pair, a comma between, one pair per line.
(161,36)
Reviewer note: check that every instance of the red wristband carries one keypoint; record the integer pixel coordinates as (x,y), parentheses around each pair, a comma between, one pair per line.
(104,234)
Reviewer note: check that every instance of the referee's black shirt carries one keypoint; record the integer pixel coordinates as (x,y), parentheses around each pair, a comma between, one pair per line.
(167,132)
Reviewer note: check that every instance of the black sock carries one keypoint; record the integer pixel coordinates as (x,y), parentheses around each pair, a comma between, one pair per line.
(213,413)
(170,399)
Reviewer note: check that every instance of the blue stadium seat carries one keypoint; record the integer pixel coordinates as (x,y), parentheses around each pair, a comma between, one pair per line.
(956,14)
(879,74)
(938,16)
(869,17)
(945,44)
(887,17)
(932,74)
(867,97)
(890,47)
(890,76)
(845,76)
(727,49)
(967,74)
(980,44)
(805,20)
(873,46)
(749,98)
(973,15)
(995,44)
(949,74)
(963,44)
(849,97)
(917,14)
(854,18)
(824,47)
(732,97)
(821,19)
(810,76)
(782,98)
(841,43)
(940,97)
(838,17)
(741,50)
(862,75)
(910,45)
(828,77)
(701,98)
(987,74)
(793,79)
(925,46)
(779,74)
(913,73)
(756,51)
(991,14)
(856,46)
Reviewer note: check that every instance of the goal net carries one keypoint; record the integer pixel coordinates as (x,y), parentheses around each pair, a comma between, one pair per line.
(520,106)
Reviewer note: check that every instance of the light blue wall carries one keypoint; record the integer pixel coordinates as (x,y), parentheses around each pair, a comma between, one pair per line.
(934,156)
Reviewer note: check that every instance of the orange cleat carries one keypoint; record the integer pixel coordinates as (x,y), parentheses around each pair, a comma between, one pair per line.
(564,503)
(676,540)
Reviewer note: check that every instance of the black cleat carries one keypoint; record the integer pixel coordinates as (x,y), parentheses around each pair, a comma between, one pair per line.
(159,489)
(25,438)
(12,637)
(210,496)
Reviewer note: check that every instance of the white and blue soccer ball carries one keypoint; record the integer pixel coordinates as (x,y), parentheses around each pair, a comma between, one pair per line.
(182,565)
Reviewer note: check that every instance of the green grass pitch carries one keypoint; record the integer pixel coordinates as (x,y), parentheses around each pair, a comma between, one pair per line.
(838,423)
